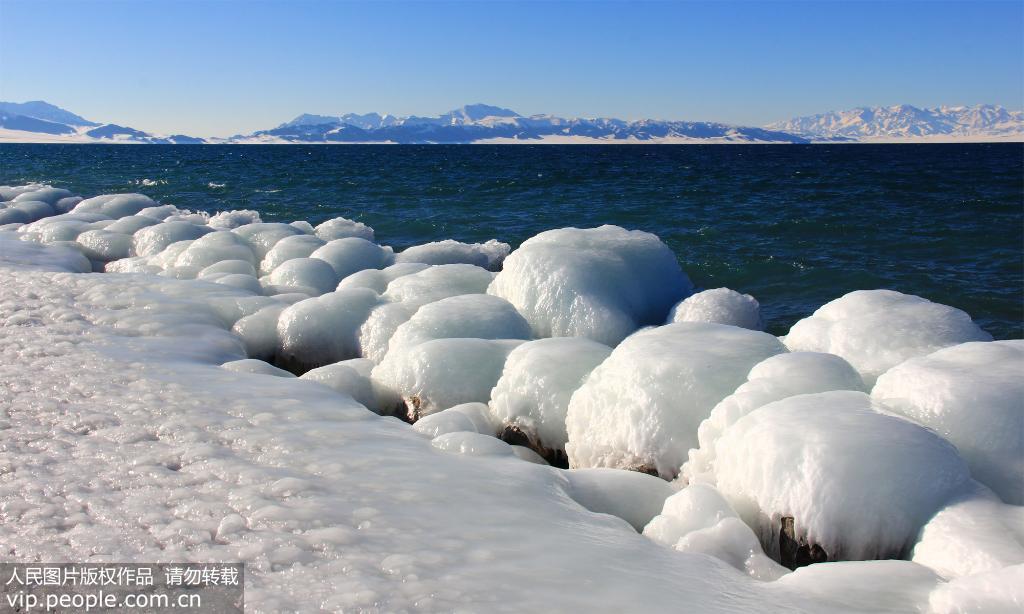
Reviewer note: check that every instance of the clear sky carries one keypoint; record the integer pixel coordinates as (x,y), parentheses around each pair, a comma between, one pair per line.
(222,68)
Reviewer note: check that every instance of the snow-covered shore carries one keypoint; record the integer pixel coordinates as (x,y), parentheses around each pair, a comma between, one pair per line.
(136,425)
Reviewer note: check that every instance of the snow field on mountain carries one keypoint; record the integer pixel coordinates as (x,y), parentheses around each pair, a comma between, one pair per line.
(153,413)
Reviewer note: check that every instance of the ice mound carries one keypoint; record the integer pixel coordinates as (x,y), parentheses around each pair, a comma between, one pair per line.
(258,332)
(996,591)
(130,224)
(152,240)
(719,306)
(633,497)
(102,246)
(479,316)
(227,267)
(468,417)
(351,377)
(115,205)
(228,220)
(487,255)
(866,586)
(25,212)
(437,374)
(530,401)
(378,279)
(773,379)
(600,283)
(263,236)
(351,255)
(832,476)
(876,330)
(697,519)
(47,194)
(213,248)
(973,395)
(310,275)
(975,533)
(341,228)
(322,330)
(33,256)
(407,292)
(288,248)
(256,367)
(641,407)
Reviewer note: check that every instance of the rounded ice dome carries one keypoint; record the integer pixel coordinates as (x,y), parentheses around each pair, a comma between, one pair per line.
(115,205)
(531,400)
(833,476)
(640,408)
(876,330)
(305,273)
(322,330)
(152,240)
(719,306)
(341,228)
(487,255)
(973,395)
(478,316)
(288,248)
(353,254)
(773,379)
(600,283)
(437,374)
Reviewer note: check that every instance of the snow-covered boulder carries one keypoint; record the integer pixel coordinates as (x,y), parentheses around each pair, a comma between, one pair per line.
(773,379)
(213,248)
(378,279)
(833,476)
(697,519)
(228,267)
(975,533)
(531,399)
(341,228)
(304,273)
(437,374)
(228,220)
(115,205)
(488,255)
(351,377)
(719,306)
(876,330)
(287,248)
(468,417)
(258,332)
(351,255)
(478,316)
(152,240)
(973,395)
(600,283)
(256,367)
(322,330)
(102,246)
(263,236)
(641,407)
(130,224)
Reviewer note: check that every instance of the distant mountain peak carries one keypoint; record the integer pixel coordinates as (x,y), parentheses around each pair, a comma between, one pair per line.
(904,121)
(40,109)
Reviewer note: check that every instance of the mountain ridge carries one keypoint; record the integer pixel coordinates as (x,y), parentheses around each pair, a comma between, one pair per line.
(39,121)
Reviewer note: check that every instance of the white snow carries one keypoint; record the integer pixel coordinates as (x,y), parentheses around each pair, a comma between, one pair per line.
(152,416)
(488,255)
(640,408)
(720,306)
(876,330)
(341,228)
(539,377)
(600,283)
(973,395)
(857,481)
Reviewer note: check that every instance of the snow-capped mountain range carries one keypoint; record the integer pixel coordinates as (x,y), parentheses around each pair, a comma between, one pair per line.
(906,122)
(38,121)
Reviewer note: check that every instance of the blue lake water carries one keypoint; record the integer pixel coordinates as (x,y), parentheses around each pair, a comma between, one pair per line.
(794,225)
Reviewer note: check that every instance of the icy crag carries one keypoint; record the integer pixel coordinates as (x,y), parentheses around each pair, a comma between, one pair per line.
(153,413)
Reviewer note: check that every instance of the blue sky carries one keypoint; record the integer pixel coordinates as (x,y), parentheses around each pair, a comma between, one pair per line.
(221,68)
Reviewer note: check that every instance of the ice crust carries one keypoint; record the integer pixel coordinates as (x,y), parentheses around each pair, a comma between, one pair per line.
(153,415)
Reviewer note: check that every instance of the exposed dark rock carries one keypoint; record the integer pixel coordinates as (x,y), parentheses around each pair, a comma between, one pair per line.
(794,552)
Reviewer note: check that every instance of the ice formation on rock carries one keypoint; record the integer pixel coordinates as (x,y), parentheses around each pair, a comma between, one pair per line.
(719,306)
(640,408)
(531,400)
(876,330)
(833,476)
(600,283)
(698,519)
(773,379)
(487,255)
(973,395)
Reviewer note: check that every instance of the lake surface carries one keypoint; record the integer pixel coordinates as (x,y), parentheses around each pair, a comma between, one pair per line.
(793,225)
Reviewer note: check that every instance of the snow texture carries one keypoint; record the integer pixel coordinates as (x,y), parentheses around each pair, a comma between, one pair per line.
(719,306)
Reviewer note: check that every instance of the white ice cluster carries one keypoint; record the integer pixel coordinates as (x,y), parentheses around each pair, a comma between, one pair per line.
(155,414)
